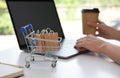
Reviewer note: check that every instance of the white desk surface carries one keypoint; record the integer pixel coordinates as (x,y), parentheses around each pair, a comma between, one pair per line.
(81,66)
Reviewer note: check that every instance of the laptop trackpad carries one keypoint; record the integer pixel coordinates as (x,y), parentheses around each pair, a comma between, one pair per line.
(67,50)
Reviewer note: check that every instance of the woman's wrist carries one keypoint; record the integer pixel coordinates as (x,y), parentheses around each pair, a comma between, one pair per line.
(118,37)
(103,47)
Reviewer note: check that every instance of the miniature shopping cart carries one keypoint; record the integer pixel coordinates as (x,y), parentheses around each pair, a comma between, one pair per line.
(43,42)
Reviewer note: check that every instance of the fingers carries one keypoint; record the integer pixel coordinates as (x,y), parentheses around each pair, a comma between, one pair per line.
(81,40)
(97,25)
(80,49)
(92,24)
(100,27)
(80,44)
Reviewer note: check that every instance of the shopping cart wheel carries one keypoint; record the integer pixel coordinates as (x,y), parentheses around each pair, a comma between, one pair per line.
(27,65)
(54,63)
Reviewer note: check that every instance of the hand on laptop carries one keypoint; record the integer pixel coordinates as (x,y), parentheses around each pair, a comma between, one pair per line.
(89,42)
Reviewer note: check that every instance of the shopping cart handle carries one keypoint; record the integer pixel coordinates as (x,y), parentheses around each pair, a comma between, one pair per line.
(29,26)
(23,30)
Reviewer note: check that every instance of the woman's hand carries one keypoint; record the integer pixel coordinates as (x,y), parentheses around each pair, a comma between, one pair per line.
(105,31)
(89,42)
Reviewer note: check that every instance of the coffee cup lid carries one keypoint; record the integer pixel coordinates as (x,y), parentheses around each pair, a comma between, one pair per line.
(94,10)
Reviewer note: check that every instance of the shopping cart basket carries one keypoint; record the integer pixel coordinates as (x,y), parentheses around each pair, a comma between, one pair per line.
(45,41)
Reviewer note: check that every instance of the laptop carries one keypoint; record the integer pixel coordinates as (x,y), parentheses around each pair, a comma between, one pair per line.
(41,14)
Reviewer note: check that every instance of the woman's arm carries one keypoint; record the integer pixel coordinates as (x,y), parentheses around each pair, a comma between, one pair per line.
(97,45)
(111,50)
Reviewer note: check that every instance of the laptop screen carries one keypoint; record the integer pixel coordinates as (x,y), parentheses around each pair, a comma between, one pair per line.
(40,13)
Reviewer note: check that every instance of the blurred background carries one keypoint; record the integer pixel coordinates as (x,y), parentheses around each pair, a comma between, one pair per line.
(69,12)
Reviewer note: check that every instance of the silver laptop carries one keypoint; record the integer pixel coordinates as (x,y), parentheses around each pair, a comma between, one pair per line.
(41,14)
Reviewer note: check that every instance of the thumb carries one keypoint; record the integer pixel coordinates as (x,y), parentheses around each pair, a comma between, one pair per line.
(92,24)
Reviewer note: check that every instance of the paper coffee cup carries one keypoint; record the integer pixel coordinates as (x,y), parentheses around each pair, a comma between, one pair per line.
(89,15)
